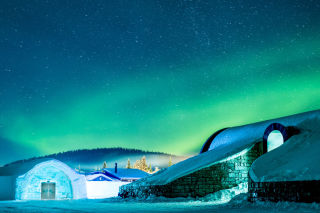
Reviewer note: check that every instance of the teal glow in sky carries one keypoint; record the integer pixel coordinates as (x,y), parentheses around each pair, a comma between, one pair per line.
(153,75)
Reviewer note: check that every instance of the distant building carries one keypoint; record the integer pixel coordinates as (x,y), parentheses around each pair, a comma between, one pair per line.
(125,175)
(98,176)
(106,183)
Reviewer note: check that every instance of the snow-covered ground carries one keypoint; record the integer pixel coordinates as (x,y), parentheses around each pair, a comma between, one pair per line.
(238,204)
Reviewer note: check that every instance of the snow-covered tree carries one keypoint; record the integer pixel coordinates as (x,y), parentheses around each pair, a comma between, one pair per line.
(141,164)
(150,168)
(104,165)
(170,162)
(128,164)
(144,163)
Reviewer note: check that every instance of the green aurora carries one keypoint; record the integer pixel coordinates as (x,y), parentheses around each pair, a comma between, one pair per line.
(168,107)
(185,111)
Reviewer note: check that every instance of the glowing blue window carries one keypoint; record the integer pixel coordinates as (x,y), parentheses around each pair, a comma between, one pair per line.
(275,139)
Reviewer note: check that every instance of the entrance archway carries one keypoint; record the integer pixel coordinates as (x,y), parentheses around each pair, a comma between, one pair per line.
(274,136)
(275,139)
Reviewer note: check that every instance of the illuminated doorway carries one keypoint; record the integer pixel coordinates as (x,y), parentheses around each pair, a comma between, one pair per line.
(274,136)
(275,139)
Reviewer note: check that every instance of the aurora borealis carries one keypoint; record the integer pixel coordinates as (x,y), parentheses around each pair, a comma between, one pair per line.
(153,75)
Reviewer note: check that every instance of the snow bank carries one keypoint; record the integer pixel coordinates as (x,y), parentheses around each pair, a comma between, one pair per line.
(296,160)
(241,202)
(225,195)
(230,142)
(238,204)
(217,198)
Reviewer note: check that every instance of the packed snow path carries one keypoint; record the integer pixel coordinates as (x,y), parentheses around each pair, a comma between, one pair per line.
(154,205)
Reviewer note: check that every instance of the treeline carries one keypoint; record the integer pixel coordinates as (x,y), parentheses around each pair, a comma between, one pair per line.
(87,154)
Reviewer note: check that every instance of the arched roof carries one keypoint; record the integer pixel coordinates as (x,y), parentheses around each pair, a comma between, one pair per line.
(208,142)
(49,162)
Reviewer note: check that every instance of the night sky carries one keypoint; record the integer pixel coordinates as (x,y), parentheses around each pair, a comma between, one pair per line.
(159,75)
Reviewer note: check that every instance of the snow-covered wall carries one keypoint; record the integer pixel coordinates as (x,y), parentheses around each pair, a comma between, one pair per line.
(226,174)
(103,189)
(69,184)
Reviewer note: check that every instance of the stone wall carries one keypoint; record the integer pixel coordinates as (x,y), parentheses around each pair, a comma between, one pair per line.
(219,176)
(294,191)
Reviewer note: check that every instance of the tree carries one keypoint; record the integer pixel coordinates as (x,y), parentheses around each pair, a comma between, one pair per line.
(128,164)
(141,164)
(104,165)
(170,162)
(144,163)
(150,168)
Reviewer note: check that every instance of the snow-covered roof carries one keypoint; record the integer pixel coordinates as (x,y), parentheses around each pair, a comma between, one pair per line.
(125,173)
(234,140)
(98,177)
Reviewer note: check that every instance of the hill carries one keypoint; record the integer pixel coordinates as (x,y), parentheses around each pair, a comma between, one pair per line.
(94,158)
